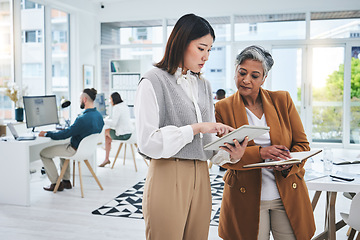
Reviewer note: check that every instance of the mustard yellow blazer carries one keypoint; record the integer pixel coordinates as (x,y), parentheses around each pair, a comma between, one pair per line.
(239,214)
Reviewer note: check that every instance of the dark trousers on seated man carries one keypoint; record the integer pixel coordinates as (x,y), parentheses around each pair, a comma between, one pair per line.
(47,155)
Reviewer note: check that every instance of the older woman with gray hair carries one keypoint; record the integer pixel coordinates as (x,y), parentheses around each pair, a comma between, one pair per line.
(259,201)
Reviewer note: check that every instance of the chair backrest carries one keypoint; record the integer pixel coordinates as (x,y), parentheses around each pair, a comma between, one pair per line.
(86,147)
(354,219)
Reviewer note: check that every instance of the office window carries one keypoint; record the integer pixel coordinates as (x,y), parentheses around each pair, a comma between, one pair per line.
(327,94)
(132,32)
(252,28)
(39,36)
(31,36)
(148,56)
(33,70)
(212,70)
(59,36)
(6,58)
(344,24)
(25,4)
(141,33)
(60,60)
(221,26)
(270,27)
(33,55)
(286,73)
(355,96)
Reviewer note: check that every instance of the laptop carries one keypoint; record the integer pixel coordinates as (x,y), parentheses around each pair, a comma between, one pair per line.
(16,135)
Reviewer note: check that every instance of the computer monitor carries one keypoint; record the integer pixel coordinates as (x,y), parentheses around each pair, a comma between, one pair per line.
(40,111)
(99,103)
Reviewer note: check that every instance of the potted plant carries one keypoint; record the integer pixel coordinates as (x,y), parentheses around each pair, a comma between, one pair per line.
(15,93)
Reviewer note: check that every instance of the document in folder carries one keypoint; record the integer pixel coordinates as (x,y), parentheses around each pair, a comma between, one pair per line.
(239,134)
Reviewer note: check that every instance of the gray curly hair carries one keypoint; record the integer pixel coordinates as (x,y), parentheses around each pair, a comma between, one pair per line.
(256,53)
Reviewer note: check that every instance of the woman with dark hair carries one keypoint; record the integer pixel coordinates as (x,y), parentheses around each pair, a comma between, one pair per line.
(119,126)
(174,120)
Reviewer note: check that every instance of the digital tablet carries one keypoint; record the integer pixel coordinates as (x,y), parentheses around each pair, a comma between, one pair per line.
(238,134)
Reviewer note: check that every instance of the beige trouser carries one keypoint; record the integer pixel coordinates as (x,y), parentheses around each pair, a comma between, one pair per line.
(47,155)
(177,200)
(273,217)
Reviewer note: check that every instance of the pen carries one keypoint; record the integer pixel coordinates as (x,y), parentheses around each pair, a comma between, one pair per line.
(282,149)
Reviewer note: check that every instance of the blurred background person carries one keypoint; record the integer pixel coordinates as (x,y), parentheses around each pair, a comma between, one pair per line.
(118,126)
(220,94)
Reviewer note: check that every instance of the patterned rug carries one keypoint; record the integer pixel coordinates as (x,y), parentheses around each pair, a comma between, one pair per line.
(128,204)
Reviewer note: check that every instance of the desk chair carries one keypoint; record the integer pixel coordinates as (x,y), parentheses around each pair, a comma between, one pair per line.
(132,142)
(352,218)
(84,151)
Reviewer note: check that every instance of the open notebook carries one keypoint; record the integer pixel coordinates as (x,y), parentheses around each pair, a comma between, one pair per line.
(345,161)
(296,157)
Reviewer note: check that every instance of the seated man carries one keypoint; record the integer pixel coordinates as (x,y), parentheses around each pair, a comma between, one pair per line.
(89,122)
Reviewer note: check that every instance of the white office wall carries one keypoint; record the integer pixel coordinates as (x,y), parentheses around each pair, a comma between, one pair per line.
(85,41)
(85,35)
(158,9)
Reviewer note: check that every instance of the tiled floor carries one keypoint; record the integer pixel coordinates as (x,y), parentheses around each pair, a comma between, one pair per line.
(65,215)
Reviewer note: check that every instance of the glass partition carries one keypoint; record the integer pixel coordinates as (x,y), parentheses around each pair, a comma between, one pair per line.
(131,32)
(286,73)
(341,24)
(60,60)
(355,96)
(6,58)
(33,48)
(270,27)
(327,94)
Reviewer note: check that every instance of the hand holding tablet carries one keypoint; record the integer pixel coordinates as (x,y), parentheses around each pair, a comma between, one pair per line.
(239,134)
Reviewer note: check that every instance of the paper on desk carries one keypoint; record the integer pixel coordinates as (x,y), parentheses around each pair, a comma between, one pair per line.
(346,160)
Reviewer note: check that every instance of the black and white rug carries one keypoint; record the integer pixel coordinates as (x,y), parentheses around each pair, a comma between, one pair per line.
(128,204)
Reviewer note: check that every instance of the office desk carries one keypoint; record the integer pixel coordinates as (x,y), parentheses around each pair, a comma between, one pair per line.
(15,168)
(331,188)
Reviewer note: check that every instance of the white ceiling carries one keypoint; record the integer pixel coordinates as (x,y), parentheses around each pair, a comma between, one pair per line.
(109,1)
